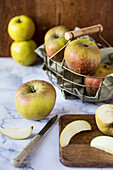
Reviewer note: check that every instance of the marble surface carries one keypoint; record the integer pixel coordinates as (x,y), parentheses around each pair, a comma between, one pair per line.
(46,153)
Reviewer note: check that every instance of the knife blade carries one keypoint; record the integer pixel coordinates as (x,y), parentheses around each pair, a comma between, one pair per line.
(48,125)
(32,143)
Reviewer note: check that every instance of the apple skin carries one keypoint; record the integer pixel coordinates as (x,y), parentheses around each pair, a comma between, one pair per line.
(104,121)
(21,28)
(54,40)
(23,52)
(35,99)
(82,56)
(102,71)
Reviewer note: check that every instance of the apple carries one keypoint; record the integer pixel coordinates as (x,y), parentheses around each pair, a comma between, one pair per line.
(35,99)
(104,119)
(102,71)
(104,143)
(17,133)
(54,41)
(21,28)
(23,52)
(82,56)
(71,129)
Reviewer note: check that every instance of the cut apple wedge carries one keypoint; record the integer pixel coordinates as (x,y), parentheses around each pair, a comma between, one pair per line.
(104,119)
(104,143)
(71,129)
(17,133)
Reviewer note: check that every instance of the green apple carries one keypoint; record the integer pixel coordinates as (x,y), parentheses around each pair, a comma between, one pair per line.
(71,129)
(104,119)
(21,28)
(54,41)
(104,143)
(82,56)
(102,71)
(17,133)
(23,52)
(35,99)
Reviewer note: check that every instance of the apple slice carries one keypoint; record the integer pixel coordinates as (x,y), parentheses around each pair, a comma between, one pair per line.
(17,133)
(104,143)
(71,129)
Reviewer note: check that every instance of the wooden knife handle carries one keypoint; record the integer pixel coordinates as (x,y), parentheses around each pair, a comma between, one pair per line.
(25,151)
(84,31)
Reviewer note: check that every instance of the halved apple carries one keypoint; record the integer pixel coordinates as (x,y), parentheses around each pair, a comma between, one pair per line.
(17,133)
(104,118)
(71,129)
(104,143)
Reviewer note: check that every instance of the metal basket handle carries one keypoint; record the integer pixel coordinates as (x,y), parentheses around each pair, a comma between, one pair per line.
(84,31)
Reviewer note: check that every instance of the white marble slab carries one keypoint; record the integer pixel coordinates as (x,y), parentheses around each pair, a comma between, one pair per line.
(46,154)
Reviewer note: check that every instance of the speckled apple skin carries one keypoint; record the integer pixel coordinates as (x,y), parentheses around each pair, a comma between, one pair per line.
(54,40)
(102,71)
(92,82)
(38,104)
(82,56)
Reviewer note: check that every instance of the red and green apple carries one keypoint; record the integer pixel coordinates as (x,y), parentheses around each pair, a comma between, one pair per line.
(82,56)
(54,41)
(102,71)
(35,99)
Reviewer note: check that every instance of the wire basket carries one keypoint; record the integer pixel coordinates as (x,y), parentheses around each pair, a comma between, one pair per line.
(65,79)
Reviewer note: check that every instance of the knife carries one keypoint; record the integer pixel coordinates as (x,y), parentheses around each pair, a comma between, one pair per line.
(28,148)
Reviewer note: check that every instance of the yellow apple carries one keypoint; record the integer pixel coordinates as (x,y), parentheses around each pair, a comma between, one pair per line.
(71,129)
(104,119)
(23,52)
(17,133)
(21,28)
(104,143)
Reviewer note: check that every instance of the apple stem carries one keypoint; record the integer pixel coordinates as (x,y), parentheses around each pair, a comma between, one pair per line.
(19,20)
(33,90)
(111,125)
(85,45)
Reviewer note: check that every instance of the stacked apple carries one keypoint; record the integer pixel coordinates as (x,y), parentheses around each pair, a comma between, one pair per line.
(21,29)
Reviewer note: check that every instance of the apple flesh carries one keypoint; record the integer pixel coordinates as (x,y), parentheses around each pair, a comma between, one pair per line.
(102,71)
(17,133)
(54,41)
(23,52)
(21,28)
(104,119)
(35,99)
(104,143)
(71,129)
(82,56)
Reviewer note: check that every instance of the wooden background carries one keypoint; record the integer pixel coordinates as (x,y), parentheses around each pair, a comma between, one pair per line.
(49,13)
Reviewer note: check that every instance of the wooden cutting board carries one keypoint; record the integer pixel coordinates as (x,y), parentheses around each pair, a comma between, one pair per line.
(79,153)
